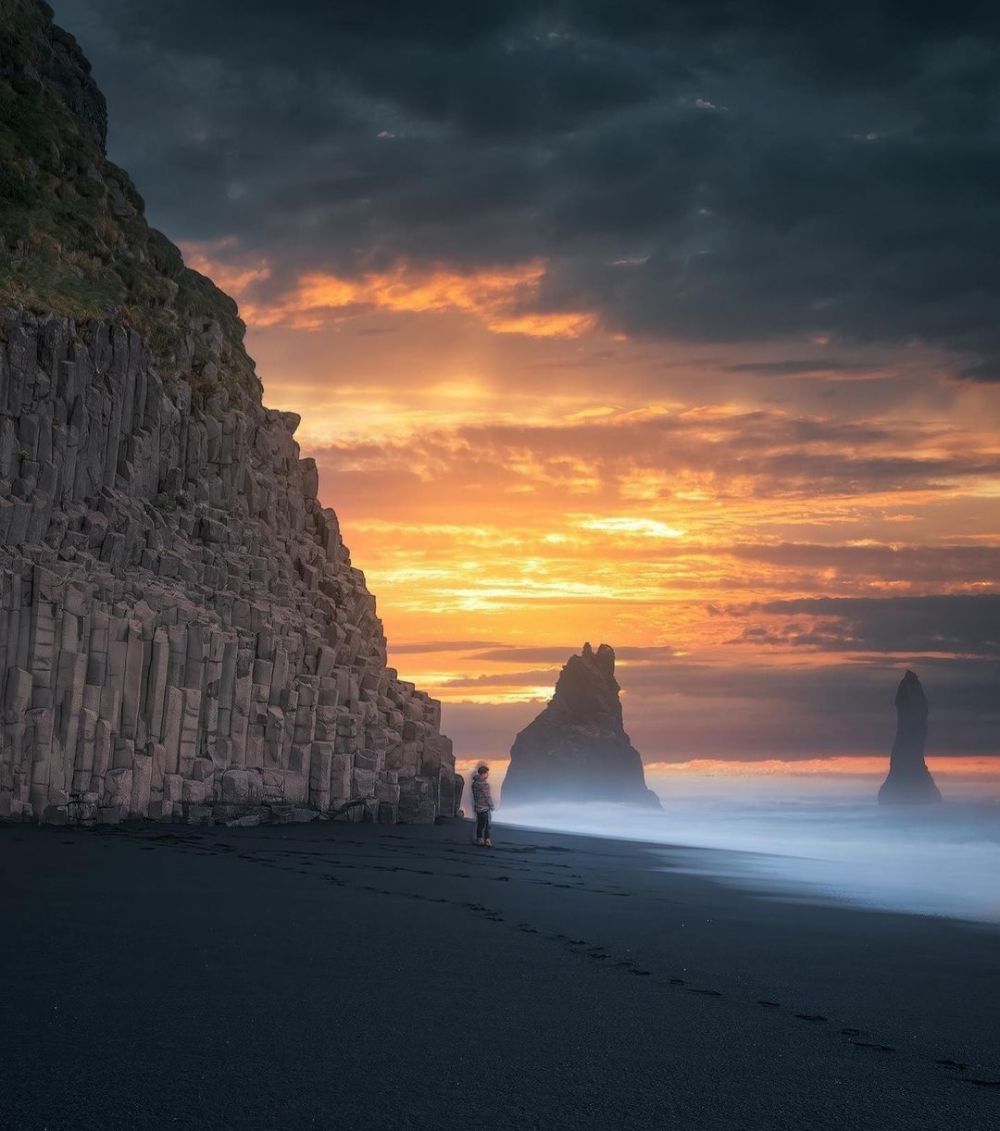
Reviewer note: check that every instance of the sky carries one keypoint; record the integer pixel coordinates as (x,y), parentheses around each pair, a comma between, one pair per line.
(673,326)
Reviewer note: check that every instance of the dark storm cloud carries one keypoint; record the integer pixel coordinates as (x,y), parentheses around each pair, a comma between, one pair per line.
(965,624)
(744,171)
(920,565)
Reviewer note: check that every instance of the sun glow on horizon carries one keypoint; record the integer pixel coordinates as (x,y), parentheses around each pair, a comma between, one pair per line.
(846,765)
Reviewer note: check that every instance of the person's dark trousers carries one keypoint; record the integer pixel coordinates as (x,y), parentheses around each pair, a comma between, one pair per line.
(483,825)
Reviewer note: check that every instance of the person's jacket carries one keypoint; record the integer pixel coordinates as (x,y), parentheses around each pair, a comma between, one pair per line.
(482,798)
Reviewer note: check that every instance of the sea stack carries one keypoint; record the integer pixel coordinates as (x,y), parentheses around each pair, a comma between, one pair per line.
(909,781)
(183,634)
(577,748)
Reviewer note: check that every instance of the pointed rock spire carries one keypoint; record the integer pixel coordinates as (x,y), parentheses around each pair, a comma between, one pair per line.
(909,781)
(577,748)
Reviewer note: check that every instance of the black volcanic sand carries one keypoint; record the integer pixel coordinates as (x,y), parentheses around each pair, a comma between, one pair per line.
(350,976)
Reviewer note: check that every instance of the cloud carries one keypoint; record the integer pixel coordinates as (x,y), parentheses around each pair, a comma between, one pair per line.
(847,191)
(800,366)
(499,297)
(722,453)
(559,654)
(539,678)
(963,624)
(421,646)
(878,563)
(633,527)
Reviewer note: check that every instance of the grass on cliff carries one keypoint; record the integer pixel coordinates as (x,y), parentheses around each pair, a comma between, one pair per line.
(73,237)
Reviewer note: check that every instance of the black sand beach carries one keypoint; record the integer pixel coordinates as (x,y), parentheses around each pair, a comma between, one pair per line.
(353,976)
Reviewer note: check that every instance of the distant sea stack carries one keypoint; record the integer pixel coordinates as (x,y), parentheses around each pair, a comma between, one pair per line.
(183,635)
(909,781)
(577,748)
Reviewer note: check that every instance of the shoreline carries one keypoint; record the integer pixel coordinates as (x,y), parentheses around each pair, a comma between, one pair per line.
(941,863)
(305,975)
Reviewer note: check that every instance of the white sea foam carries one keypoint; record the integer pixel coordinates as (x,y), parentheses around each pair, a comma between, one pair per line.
(816,839)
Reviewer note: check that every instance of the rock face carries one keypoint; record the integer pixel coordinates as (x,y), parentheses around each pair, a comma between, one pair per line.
(909,781)
(182,632)
(577,748)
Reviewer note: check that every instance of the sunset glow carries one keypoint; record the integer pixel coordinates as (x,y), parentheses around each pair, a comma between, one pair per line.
(713,530)
(769,525)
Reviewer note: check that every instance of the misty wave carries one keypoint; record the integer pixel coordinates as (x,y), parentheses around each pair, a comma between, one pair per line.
(811,841)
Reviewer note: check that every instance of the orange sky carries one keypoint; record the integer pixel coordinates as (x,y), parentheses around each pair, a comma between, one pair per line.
(513,485)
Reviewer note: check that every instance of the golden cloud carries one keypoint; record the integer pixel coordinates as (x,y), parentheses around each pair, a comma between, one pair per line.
(499,297)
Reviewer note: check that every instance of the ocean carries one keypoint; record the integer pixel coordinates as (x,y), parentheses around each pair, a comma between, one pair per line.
(812,839)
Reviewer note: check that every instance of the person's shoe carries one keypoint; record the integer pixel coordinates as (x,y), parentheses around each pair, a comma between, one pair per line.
(480,842)
(488,843)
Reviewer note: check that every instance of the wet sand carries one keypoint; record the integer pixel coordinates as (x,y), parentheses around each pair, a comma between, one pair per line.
(349,976)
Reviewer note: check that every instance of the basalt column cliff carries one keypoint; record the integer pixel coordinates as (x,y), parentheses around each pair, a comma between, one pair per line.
(182,633)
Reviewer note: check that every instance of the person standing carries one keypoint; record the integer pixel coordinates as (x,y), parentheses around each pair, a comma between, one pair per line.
(482,803)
